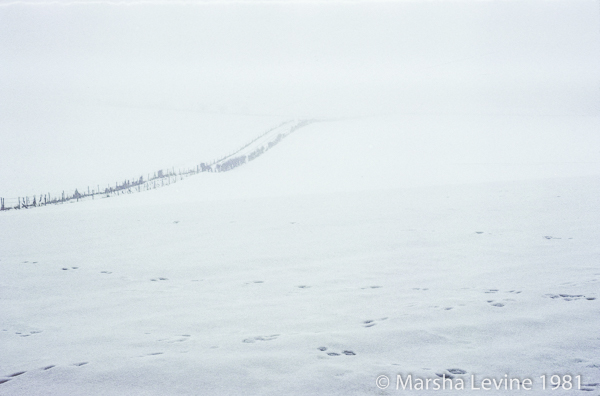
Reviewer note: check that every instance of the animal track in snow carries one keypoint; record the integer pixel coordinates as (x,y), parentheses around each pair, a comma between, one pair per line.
(261,338)
(27,333)
(372,322)
(19,373)
(345,352)
(105,272)
(441,308)
(501,304)
(159,279)
(456,371)
(590,387)
(254,282)
(492,291)
(570,297)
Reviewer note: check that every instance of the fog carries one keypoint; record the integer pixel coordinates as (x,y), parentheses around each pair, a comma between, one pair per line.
(99,92)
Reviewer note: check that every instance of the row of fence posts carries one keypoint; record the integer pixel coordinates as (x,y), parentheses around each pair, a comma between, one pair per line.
(137,184)
(151,182)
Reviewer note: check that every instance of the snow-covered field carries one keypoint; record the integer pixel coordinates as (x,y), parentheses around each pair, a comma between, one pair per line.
(220,285)
(441,216)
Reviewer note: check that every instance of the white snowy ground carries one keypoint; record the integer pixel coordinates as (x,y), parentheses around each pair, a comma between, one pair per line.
(232,283)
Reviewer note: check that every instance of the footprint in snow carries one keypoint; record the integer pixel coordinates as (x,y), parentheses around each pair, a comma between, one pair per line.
(105,272)
(503,303)
(441,308)
(590,387)
(456,371)
(570,297)
(27,334)
(19,373)
(372,322)
(346,352)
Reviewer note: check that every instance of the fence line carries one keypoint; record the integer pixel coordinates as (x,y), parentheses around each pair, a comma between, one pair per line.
(160,178)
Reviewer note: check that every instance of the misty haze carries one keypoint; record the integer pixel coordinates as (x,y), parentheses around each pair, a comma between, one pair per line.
(299,198)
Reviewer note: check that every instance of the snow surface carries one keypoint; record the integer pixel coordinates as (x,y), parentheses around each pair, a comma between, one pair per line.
(441,217)
(219,285)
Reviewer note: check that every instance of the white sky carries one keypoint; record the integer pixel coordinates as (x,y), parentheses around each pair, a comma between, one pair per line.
(59,62)
(178,55)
